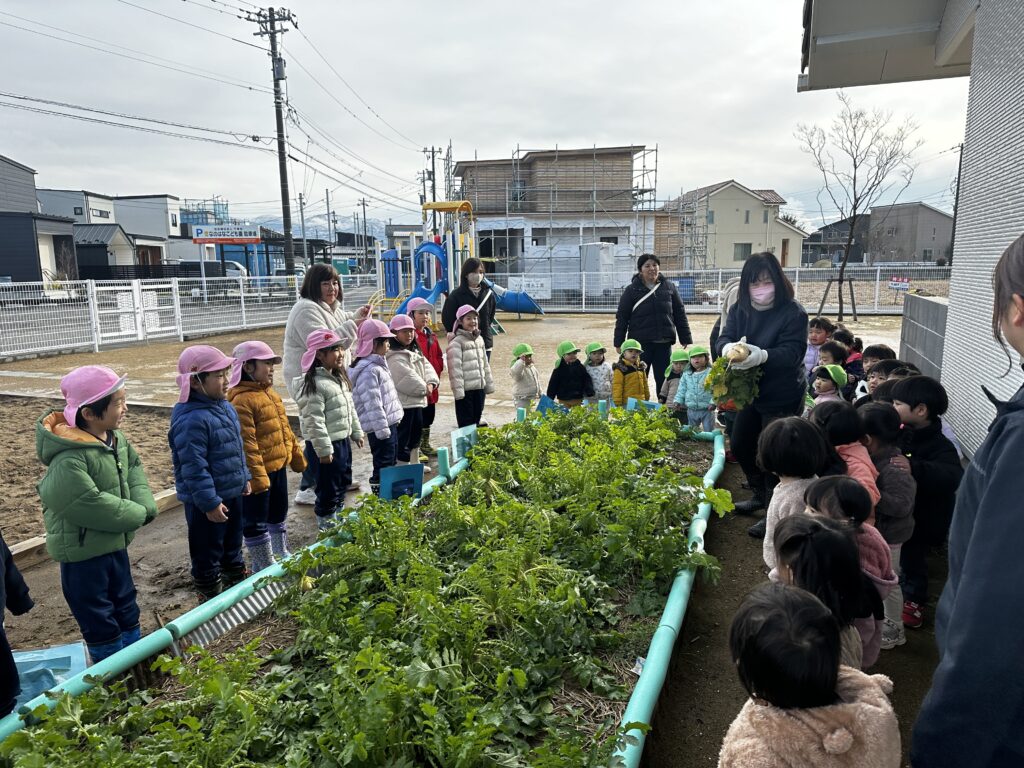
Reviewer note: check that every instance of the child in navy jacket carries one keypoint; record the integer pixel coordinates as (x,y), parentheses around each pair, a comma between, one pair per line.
(210,471)
(13,595)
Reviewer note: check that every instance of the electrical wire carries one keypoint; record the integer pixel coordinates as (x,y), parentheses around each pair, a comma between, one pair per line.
(194,26)
(237,83)
(345,82)
(236,15)
(388,203)
(346,176)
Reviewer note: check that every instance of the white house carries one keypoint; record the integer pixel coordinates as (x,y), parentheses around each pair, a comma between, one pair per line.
(151,220)
(81,205)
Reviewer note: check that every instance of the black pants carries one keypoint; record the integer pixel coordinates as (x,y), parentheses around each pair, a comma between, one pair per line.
(658,356)
(269,507)
(101,595)
(383,452)
(746,430)
(10,687)
(470,409)
(914,569)
(428,415)
(410,430)
(215,547)
(332,479)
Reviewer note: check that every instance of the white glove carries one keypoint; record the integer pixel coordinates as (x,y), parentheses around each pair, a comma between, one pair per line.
(382,434)
(757,357)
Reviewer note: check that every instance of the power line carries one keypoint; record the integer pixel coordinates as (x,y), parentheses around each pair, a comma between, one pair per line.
(194,26)
(353,90)
(214,10)
(344,175)
(349,186)
(237,84)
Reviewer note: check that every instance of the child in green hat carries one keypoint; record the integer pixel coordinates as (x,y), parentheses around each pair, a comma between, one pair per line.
(629,375)
(700,406)
(673,377)
(828,383)
(569,383)
(600,371)
(525,379)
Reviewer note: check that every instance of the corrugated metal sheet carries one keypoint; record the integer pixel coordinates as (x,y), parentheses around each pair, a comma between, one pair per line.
(97,234)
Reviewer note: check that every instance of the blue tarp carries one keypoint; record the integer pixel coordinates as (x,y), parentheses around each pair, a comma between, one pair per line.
(41,670)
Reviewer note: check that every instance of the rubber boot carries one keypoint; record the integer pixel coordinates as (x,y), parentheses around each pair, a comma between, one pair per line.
(233,574)
(327,522)
(130,636)
(375,489)
(208,589)
(425,448)
(279,540)
(99,651)
(261,554)
(750,506)
(758,529)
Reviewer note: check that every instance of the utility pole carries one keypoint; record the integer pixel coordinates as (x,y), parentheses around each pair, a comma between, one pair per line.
(327,197)
(302,224)
(433,181)
(365,259)
(267,21)
(956,203)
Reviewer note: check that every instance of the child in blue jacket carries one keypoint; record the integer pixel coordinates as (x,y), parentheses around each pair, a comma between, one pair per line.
(210,471)
(700,407)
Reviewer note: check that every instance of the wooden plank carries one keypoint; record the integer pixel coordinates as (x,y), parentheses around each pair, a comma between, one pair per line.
(166,500)
(30,552)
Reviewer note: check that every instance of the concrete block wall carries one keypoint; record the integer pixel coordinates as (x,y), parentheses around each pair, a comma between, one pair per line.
(923,333)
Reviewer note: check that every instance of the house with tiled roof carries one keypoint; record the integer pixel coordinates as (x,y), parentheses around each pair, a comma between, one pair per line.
(720,225)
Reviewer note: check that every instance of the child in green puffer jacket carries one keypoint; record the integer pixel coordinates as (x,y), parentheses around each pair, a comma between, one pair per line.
(95,497)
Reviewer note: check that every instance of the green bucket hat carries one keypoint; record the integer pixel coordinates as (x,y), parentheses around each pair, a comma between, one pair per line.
(836,373)
(678,356)
(519,350)
(564,349)
(594,346)
(631,344)
(697,350)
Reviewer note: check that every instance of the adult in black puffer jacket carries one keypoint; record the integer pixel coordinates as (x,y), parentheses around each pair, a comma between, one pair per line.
(775,326)
(473,292)
(655,321)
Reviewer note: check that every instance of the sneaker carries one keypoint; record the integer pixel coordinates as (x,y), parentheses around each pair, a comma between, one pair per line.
(354,488)
(913,614)
(426,469)
(730,458)
(307,497)
(892,635)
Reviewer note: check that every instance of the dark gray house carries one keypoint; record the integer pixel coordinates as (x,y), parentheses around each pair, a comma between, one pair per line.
(33,247)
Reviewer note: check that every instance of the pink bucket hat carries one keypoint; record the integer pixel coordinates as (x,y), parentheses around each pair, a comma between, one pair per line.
(401,322)
(417,303)
(321,338)
(198,359)
(369,330)
(464,310)
(86,385)
(250,350)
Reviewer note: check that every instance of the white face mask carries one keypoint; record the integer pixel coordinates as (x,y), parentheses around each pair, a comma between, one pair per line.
(475,278)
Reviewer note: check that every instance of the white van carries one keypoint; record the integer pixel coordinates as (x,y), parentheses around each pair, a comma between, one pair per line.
(194,268)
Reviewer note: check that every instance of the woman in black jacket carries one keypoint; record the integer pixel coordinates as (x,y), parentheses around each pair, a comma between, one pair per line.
(775,327)
(651,312)
(473,292)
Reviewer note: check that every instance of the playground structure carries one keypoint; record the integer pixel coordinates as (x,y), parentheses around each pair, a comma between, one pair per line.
(423,270)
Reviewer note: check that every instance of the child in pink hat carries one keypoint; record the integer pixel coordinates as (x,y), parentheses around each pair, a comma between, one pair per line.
(329,421)
(376,399)
(469,370)
(95,497)
(210,471)
(415,380)
(270,448)
(420,310)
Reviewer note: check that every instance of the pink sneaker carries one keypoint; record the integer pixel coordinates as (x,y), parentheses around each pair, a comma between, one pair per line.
(913,614)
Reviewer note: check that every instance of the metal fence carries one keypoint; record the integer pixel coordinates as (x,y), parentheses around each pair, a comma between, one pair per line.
(877,290)
(51,317)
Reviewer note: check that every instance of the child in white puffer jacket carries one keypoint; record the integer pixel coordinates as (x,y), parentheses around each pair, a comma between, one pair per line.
(469,371)
(525,379)
(415,378)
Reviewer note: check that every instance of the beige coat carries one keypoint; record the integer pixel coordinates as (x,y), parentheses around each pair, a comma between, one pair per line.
(468,367)
(860,731)
(525,381)
(412,373)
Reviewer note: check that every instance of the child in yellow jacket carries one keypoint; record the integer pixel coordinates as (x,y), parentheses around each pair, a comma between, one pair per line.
(270,448)
(629,375)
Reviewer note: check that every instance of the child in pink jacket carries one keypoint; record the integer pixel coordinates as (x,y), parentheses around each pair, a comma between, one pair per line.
(804,708)
(844,428)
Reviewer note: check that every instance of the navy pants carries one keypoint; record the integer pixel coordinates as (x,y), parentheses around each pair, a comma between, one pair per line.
(101,595)
(470,409)
(658,356)
(410,430)
(333,479)
(428,415)
(746,431)
(269,507)
(215,547)
(10,687)
(384,452)
(914,569)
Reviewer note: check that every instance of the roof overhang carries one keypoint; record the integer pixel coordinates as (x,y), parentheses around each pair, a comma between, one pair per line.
(870,42)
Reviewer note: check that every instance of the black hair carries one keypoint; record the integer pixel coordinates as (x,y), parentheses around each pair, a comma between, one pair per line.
(822,323)
(309,378)
(906,369)
(97,407)
(837,349)
(752,269)
(821,372)
(843,336)
(886,367)
(1007,282)
(469,266)
(839,421)
(879,352)
(922,390)
(316,274)
(840,498)
(785,645)
(883,392)
(882,423)
(823,557)
(644,258)
(792,447)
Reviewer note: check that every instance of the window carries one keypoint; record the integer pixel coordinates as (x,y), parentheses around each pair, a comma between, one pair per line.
(174,219)
(78,210)
(741,251)
(746,217)
(612,240)
(99,214)
(927,254)
(765,221)
(711,216)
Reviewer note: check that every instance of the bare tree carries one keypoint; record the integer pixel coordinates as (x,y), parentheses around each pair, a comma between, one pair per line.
(862,157)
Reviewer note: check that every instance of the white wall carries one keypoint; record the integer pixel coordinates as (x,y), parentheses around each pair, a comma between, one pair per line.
(47,256)
(183,249)
(149,215)
(739,218)
(95,205)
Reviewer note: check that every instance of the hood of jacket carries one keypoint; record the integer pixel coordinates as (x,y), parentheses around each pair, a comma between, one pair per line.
(876,557)
(1003,407)
(54,435)
(366,364)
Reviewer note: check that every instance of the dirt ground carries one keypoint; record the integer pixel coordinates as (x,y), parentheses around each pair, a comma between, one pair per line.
(702,693)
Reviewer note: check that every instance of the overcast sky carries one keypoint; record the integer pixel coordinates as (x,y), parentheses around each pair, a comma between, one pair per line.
(713,85)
